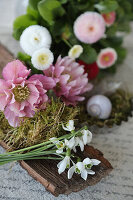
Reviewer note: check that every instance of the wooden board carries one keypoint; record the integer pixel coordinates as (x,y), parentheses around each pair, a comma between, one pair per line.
(45,171)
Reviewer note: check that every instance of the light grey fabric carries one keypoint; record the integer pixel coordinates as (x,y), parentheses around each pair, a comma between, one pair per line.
(116,144)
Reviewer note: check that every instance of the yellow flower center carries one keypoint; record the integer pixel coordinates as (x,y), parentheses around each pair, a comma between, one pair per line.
(106,58)
(21,93)
(43,59)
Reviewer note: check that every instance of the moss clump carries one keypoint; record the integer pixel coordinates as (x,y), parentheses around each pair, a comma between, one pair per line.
(121,110)
(44,125)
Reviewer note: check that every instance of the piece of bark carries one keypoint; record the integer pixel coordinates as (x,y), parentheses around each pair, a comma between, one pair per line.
(45,171)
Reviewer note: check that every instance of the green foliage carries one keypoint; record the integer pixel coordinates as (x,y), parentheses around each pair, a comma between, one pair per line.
(50,10)
(89,55)
(107,6)
(59,15)
(21,23)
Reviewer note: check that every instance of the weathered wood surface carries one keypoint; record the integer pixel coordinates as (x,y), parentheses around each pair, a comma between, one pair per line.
(45,171)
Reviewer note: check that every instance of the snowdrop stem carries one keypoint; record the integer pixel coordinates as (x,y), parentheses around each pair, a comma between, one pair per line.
(68,153)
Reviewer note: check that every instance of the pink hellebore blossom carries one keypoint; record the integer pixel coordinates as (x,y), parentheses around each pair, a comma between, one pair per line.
(109,18)
(89,27)
(71,81)
(19,96)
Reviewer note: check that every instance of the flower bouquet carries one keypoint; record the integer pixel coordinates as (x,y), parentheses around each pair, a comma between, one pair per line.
(44,93)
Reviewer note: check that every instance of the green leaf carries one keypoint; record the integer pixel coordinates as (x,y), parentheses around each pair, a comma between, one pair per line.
(33,4)
(89,54)
(33,13)
(50,10)
(107,6)
(23,57)
(21,23)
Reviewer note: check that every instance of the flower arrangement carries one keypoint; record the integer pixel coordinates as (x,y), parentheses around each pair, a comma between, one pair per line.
(98,43)
(46,89)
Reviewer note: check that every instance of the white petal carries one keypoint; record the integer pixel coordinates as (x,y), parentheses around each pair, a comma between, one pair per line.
(89,137)
(53,140)
(84,174)
(85,138)
(71,125)
(66,129)
(90,172)
(59,151)
(80,166)
(71,172)
(87,161)
(81,144)
(95,161)
(62,166)
(71,143)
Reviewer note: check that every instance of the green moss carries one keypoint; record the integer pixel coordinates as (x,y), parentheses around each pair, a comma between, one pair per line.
(121,110)
(44,125)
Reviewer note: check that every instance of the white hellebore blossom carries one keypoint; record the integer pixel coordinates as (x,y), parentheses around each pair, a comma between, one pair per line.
(35,37)
(69,126)
(83,168)
(75,51)
(62,165)
(87,136)
(42,59)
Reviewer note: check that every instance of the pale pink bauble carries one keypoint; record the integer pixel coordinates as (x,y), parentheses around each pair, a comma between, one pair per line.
(109,18)
(89,27)
(106,58)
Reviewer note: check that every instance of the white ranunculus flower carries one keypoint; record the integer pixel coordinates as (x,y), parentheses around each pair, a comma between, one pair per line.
(62,165)
(42,59)
(75,51)
(69,126)
(87,136)
(35,37)
(83,168)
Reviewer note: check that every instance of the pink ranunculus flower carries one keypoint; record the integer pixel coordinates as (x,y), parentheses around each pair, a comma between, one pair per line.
(71,81)
(19,96)
(89,27)
(109,18)
(106,58)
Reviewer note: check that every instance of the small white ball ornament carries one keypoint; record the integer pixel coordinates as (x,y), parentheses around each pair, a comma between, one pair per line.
(99,106)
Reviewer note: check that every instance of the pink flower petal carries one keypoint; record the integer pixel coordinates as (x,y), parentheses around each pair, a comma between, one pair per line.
(14,70)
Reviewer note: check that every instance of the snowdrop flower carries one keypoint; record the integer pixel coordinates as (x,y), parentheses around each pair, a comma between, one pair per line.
(62,165)
(69,126)
(87,136)
(42,59)
(59,144)
(106,58)
(70,143)
(83,168)
(75,51)
(35,37)
(78,142)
